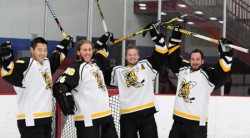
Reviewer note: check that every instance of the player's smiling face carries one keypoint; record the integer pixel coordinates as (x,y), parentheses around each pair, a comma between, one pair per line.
(196,61)
(132,57)
(40,52)
(86,52)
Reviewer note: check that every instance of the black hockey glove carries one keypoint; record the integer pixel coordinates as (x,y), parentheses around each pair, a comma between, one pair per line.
(65,99)
(6,54)
(223,47)
(157,37)
(65,45)
(104,41)
(175,39)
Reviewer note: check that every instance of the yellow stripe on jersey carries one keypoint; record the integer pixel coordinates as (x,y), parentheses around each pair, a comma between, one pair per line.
(5,73)
(95,115)
(20,61)
(21,116)
(36,115)
(226,67)
(137,108)
(162,51)
(42,114)
(173,49)
(102,53)
(188,116)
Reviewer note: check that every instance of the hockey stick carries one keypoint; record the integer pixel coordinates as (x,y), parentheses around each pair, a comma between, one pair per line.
(101,15)
(242,49)
(57,21)
(145,30)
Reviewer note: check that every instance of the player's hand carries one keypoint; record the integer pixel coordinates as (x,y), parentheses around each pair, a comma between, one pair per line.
(67,103)
(156,36)
(175,39)
(6,54)
(65,45)
(104,41)
(223,47)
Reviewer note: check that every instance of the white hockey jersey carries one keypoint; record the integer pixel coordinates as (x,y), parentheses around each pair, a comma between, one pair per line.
(33,85)
(195,87)
(89,92)
(135,86)
(192,97)
(34,96)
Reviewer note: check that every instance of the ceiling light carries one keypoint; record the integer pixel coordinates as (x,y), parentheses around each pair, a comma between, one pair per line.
(190,23)
(163,13)
(198,12)
(213,18)
(143,8)
(182,5)
(142,5)
(220,21)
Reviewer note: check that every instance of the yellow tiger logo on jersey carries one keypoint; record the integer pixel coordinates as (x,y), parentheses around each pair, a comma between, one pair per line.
(100,82)
(184,91)
(47,80)
(132,79)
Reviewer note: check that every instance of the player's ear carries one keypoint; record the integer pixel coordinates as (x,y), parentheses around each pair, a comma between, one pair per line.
(31,50)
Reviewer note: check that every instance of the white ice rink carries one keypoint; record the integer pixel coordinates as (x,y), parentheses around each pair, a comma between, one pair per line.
(228,116)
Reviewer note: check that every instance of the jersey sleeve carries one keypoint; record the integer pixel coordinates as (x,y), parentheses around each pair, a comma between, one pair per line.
(114,76)
(70,76)
(175,59)
(218,76)
(15,73)
(55,60)
(158,57)
(102,61)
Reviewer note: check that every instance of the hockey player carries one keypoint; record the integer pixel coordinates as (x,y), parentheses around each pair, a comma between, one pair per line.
(195,84)
(81,91)
(136,90)
(32,81)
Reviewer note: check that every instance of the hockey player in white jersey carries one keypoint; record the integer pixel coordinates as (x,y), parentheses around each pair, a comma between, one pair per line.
(81,91)
(32,81)
(194,87)
(136,89)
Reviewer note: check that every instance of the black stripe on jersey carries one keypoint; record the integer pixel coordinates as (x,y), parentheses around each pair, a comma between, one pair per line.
(149,65)
(82,70)
(28,69)
(206,76)
(183,68)
(114,70)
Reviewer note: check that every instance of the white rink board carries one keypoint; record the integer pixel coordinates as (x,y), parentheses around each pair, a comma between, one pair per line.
(8,124)
(228,116)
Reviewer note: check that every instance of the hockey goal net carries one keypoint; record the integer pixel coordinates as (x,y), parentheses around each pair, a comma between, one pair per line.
(64,126)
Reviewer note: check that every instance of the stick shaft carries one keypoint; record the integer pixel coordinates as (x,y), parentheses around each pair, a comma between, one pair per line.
(145,30)
(57,21)
(242,49)
(101,15)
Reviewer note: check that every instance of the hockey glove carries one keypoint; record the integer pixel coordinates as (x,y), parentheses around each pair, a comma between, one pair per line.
(65,99)
(175,39)
(105,40)
(223,47)
(65,45)
(6,54)
(157,37)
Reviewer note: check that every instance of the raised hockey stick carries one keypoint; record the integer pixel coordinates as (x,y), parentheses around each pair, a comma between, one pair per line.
(145,30)
(57,21)
(101,15)
(242,49)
